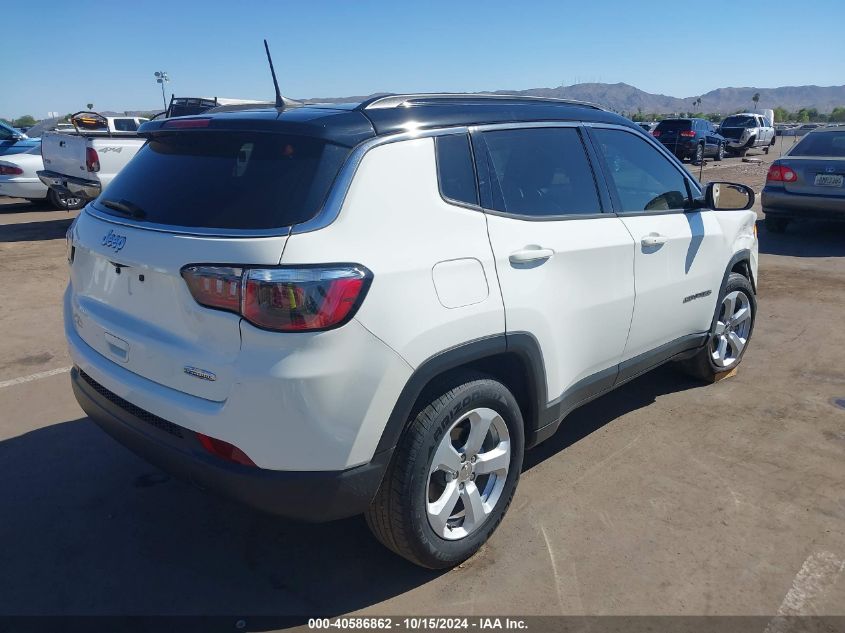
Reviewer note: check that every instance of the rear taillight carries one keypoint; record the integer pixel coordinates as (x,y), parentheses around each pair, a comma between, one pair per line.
(215,286)
(186,124)
(296,299)
(655,133)
(224,450)
(688,134)
(8,170)
(781,173)
(92,160)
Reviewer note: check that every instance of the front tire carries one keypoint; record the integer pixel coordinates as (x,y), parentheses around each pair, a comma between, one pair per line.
(731,333)
(452,475)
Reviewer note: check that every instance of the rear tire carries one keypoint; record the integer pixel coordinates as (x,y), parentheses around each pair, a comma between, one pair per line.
(699,154)
(61,201)
(720,154)
(775,225)
(444,458)
(730,334)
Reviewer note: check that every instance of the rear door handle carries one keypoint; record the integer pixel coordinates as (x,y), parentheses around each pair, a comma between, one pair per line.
(529,254)
(654,239)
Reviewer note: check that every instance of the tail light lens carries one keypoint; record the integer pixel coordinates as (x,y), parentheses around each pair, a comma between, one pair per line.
(655,133)
(781,173)
(8,170)
(688,134)
(92,159)
(296,299)
(224,450)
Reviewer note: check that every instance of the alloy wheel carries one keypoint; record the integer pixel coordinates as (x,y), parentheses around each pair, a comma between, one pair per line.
(468,473)
(732,329)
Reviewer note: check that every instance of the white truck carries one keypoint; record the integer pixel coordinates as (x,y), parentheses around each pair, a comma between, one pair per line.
(83,162)
(748,130)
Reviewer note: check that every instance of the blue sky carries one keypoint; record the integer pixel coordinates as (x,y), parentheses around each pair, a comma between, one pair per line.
(68,54)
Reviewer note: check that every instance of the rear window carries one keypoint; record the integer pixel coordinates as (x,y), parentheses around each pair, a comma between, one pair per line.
(125,125)
(739,121)
(821,144)
(674,126)
(225,180)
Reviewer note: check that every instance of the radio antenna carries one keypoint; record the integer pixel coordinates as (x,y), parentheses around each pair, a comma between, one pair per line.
(280,102)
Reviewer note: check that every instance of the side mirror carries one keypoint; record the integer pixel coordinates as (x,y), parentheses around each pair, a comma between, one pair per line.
(728,196)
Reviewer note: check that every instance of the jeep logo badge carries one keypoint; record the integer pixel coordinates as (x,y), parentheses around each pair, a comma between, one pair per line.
(114,241)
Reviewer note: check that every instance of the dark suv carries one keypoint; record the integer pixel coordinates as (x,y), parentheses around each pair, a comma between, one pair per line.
(690,138)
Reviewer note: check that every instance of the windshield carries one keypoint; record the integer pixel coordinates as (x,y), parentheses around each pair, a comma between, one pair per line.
(225,180)
(830,144)
(739,121)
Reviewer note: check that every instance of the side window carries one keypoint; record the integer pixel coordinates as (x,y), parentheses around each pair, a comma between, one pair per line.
(541,172)
(455,169)
(645,180)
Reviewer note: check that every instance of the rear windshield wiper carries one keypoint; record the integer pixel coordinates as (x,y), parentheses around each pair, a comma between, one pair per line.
(125,207)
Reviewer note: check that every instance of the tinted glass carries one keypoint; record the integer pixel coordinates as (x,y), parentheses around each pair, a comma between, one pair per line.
(739,121)
(541,172)
(455,170)
(224,180)
(821,144)
(645,179)
(675,125)
(125,125)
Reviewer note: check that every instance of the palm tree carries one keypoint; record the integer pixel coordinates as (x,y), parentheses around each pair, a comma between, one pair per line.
(756,99)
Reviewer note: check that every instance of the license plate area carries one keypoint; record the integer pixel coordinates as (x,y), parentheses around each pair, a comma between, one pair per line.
(829,180)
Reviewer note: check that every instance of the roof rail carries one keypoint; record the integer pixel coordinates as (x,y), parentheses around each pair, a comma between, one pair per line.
(406,100)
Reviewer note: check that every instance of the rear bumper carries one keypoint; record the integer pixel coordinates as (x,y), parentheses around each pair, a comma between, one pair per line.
(684,147)
(782,204)
(70,185)
(309,496)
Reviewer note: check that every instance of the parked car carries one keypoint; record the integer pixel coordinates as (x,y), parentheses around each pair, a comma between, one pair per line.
(19,179)
(13,141)
(808,181)
(746,131)
(690,138)
(190,106)
(375,308)
(82,163)
(807,128)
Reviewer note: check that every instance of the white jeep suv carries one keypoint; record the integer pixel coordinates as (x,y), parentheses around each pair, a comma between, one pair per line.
(376,308)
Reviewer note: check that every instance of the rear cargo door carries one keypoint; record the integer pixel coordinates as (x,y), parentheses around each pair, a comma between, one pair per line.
(223,200)
(64,153)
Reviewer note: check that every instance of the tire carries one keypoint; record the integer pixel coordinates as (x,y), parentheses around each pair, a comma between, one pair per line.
(766,149)
(720,154)
(699,154)
(775,225)
(742,152)
(728,340)
(403,515)
(61,201)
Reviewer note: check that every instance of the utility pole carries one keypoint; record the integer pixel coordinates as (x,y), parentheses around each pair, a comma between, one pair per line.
(162,78)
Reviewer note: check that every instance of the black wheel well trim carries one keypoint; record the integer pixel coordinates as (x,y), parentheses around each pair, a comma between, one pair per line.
(434,374)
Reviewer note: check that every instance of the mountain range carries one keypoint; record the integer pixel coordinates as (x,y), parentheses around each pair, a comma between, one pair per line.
(622,97)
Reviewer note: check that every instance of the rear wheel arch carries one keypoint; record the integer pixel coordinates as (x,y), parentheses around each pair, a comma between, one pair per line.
(515,360)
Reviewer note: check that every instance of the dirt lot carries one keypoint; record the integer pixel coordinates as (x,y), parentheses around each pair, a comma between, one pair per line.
(665,497)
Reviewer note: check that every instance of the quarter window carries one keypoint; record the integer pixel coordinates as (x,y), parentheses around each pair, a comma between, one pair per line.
(455,169)
(541,172)
(645,180)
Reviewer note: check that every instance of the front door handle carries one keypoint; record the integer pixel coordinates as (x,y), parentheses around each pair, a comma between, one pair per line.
(529,254)
(653,239)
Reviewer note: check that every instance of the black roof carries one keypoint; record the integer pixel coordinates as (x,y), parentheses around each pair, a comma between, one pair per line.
(350,123)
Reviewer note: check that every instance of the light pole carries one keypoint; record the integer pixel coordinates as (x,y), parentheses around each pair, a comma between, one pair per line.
(162,78)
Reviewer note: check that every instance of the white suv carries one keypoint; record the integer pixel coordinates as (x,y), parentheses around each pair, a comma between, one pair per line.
(376,308)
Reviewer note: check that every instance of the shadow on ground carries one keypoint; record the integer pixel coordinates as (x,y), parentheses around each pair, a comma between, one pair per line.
(591,417)
(35,231)
(810,238)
